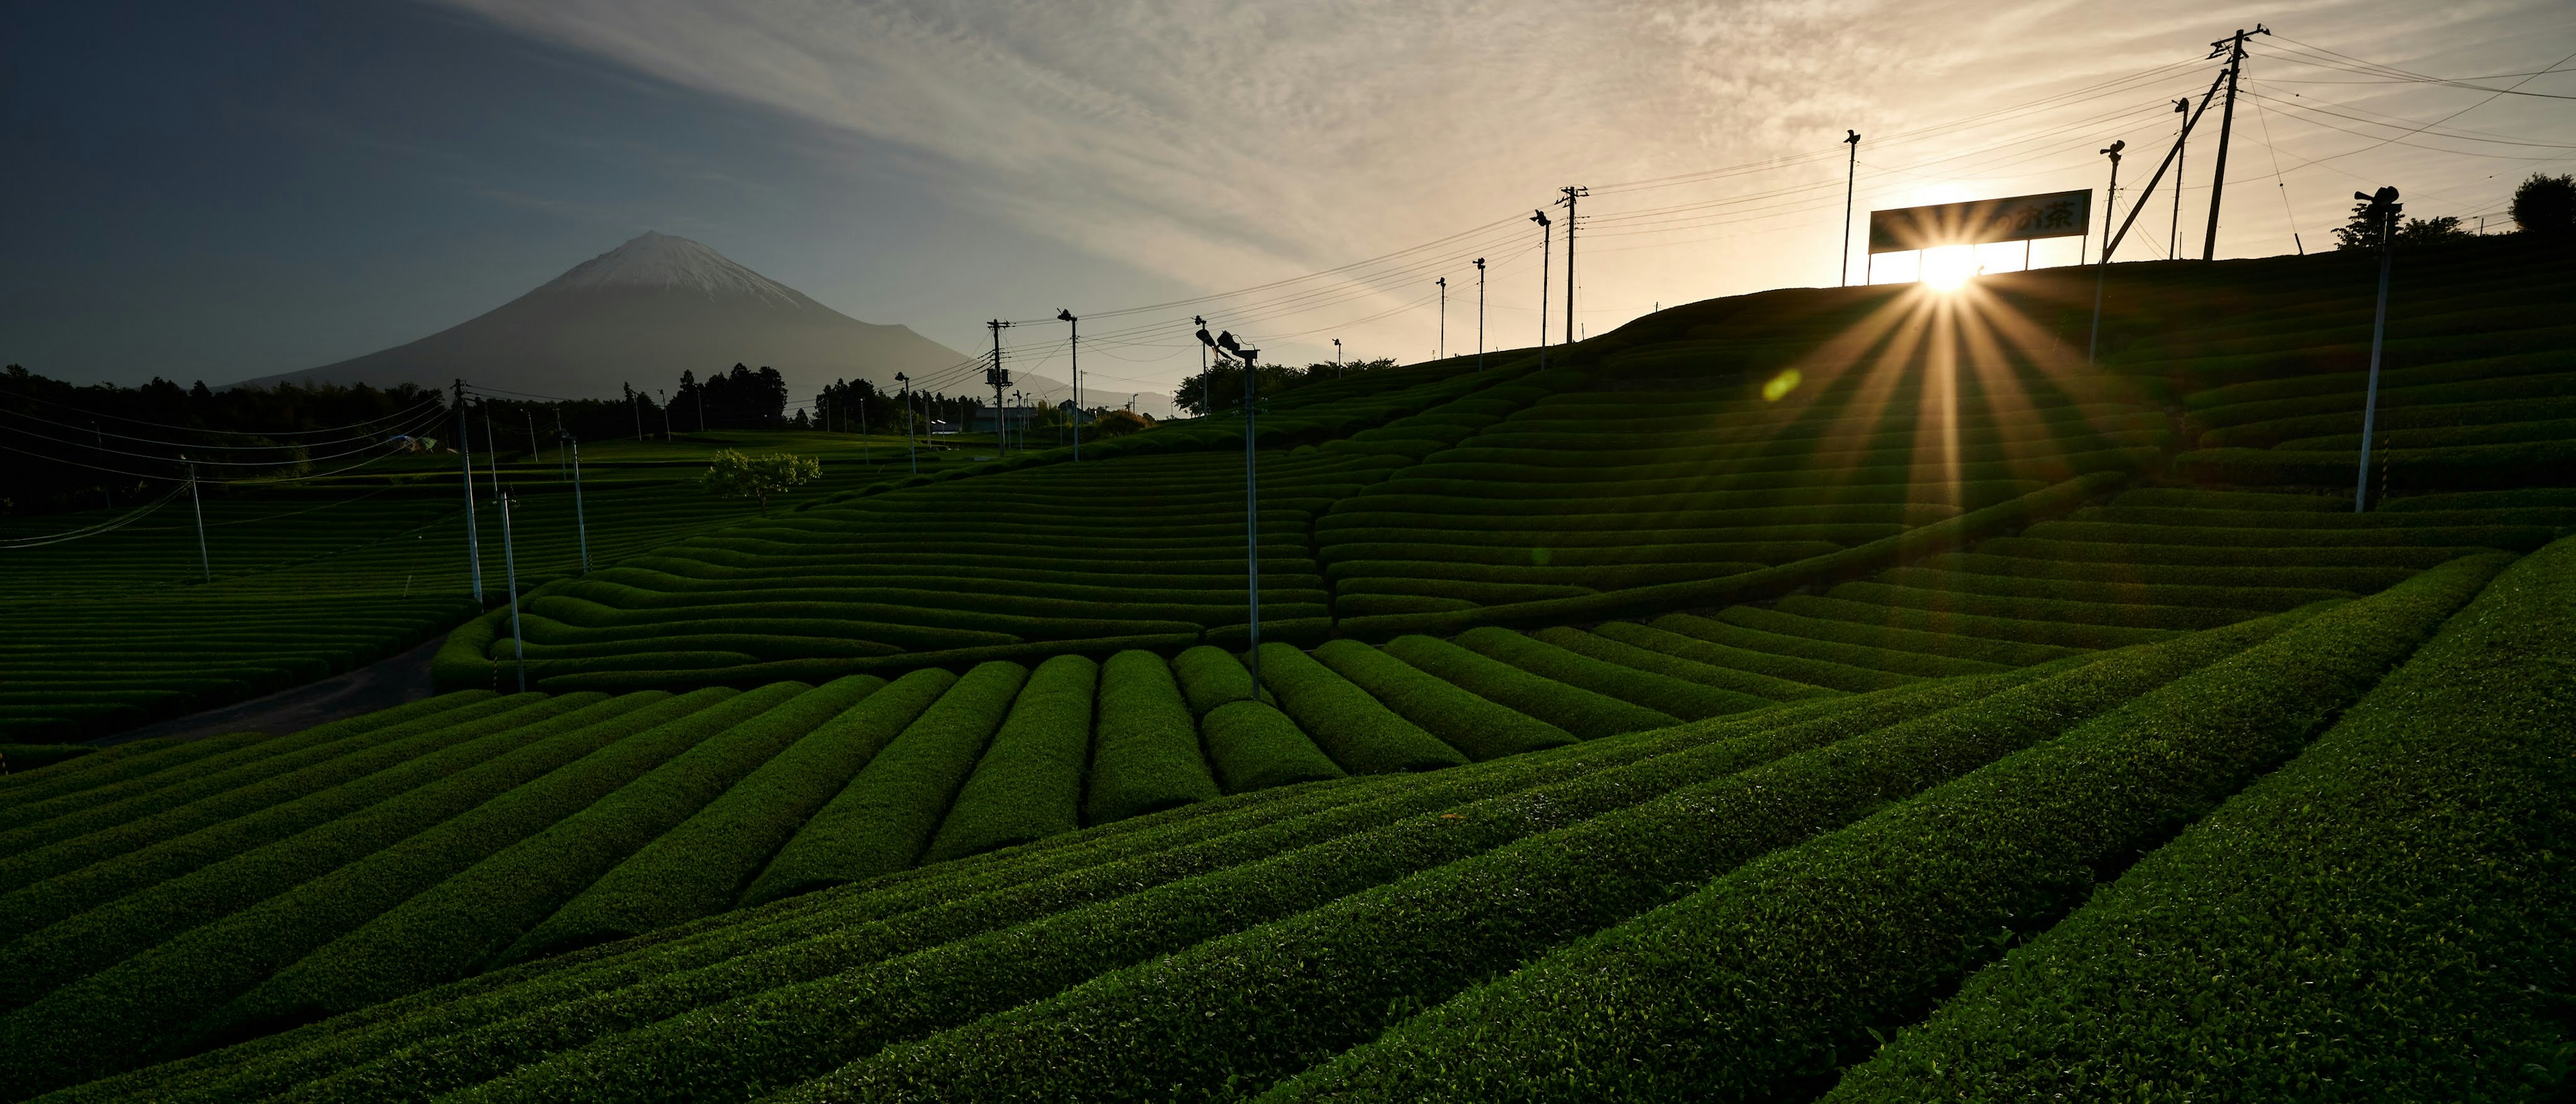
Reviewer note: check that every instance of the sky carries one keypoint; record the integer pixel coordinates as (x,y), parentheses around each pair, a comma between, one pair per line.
(225,191)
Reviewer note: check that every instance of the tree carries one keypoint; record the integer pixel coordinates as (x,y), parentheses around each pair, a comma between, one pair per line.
(734,475)
(1119,423)
(2361,232)
(2545,206)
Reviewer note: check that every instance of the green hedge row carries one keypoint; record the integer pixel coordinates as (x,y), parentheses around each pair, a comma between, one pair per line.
(2356,579)
(1587,714)
(2480,500)
(258,809)
(86,808)
(1719,644)
(2043,609)
(1480,728)
(18,759)
(700,866)
(2064,634)
(43,903)
(883,820)
(2406,559)
(477,915)
(2387,894)
(1664,693)
(2492,433)
(117,763)
(1210,676)
(1252,745)
(772,1037)
(1259,1003)
(2461,466)
(1028,785)
(1751,986)
(113,1017)
(2344,519)
(1362,735)
(1878,643)
(2249,401)
(2268,599)
(2215,537)
(1763,688)
(2466,402)
(1731,628)
(1939,537)
(1145,752)
(1476,592)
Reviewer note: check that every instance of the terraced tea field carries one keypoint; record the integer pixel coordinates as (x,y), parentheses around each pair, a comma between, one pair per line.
(1840,694)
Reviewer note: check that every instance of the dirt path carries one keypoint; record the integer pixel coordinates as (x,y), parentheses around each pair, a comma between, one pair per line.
(383,684)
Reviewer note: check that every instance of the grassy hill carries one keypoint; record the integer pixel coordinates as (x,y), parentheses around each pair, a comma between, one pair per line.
(1840,693)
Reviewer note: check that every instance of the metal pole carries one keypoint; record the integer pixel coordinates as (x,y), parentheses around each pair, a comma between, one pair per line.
(1444,326)
(534,456)
(203,560)
(580,521)
(465,453)
(1544,237)
(510,564)
(2173,237)
(1851,186)
(665,396)
(2102,270)
(1073,349)
(1480,314)
(98,447)
(1252,518)
(491,452)
(999,381)
(2387,200)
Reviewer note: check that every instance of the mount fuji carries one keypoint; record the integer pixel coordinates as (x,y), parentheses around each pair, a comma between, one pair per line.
(644,312)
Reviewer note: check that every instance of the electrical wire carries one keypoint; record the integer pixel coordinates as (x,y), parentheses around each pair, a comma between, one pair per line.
(14,544)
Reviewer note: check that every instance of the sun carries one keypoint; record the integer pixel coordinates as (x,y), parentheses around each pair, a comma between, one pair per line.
(1949,267)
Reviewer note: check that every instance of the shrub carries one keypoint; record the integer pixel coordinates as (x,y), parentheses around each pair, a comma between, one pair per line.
(1601,647)
(1029,783)
(1678,697)
(700,866)
(1587,714)
(1748,986)
(1253,745)
(2337,898)
(1145,755)
(1480,728)
(882,822)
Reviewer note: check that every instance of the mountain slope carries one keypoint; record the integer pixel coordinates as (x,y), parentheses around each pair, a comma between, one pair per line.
(641,314)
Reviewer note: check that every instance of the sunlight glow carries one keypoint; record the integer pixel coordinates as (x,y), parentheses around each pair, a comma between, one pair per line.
(1949,267)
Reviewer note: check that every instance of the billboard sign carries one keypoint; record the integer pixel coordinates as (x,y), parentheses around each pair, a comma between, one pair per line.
(2014,218)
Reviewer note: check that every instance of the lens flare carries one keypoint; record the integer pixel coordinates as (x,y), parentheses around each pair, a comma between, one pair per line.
(1949,267)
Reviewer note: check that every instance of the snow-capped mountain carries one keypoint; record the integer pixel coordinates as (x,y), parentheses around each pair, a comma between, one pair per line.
(641,314)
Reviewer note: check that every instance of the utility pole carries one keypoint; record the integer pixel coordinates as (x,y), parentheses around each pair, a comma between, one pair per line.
(702,406)
(562,471)
(2385,205)
(1851,187)
(1571,194)
(665,397)
(2101,271)
(636,407)
(2173,237)
(909,452)
(999,379)
(1544,237)
(534,456)
(2233,47)
(1073,348)
(1337,358)
(465,453)
(1444,325)
(198,505)
(491,451)
(580,521)
(510,564)
(1480,315)
(1207,401)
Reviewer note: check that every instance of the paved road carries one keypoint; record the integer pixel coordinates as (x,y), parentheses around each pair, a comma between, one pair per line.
(383,684)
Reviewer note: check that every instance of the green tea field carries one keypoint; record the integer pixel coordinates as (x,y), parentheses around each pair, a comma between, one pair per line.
(1823,694)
